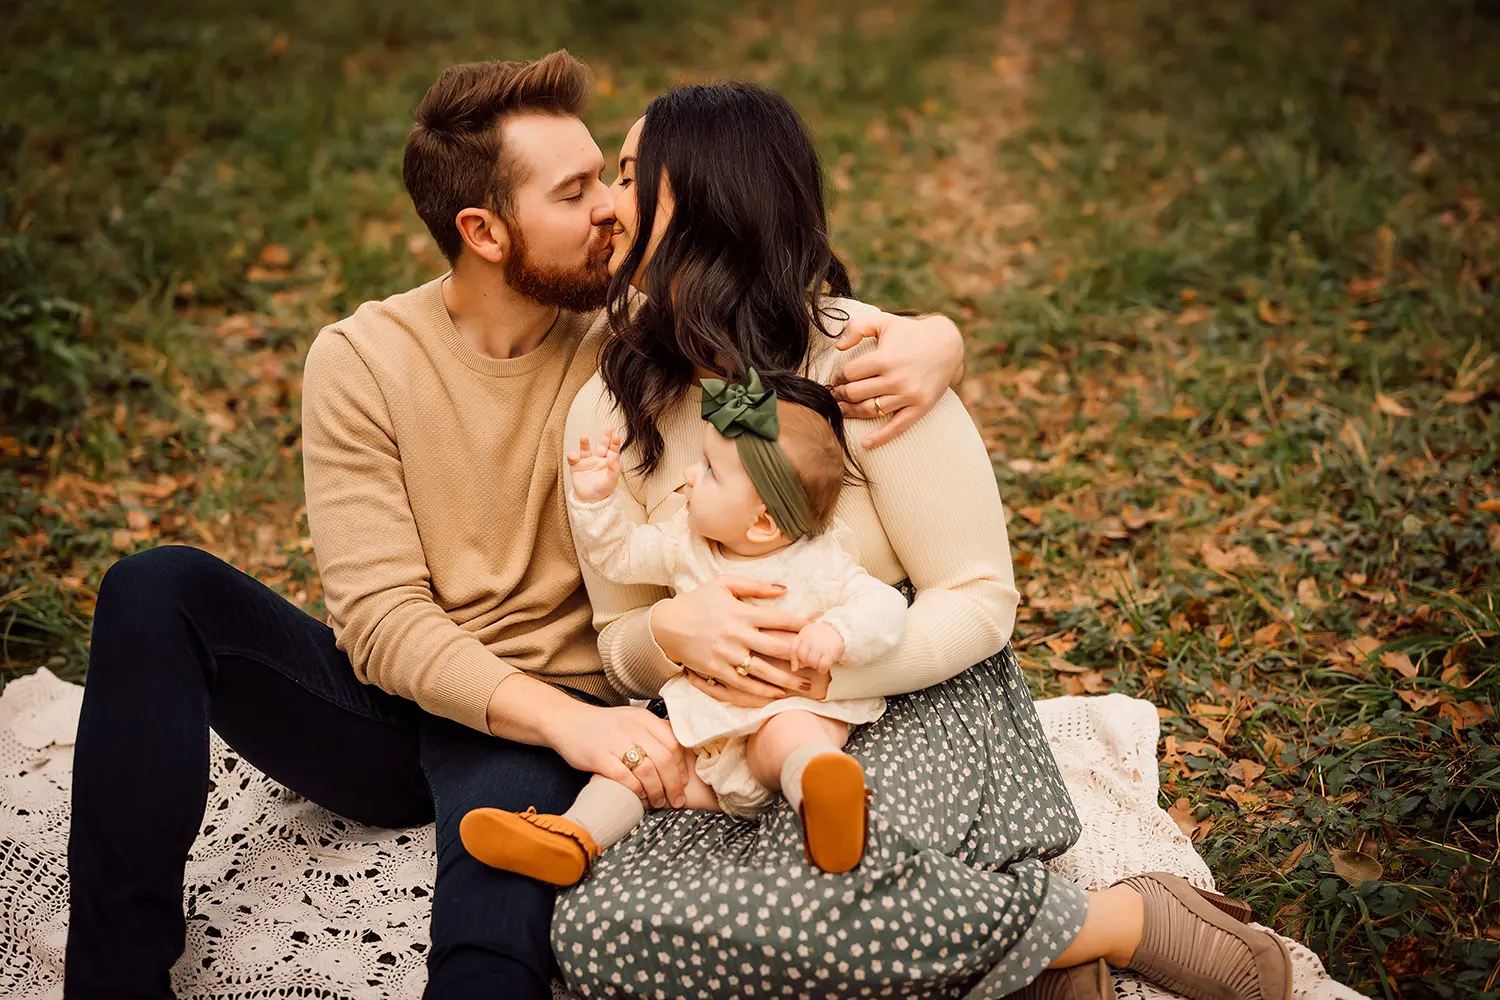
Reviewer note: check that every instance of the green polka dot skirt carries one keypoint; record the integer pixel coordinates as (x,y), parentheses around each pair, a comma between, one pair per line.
(951,899)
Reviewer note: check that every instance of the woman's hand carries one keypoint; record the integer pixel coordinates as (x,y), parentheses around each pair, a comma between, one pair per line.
(815,681)
(596,471)
(712,633)
(916,360)
(596,739)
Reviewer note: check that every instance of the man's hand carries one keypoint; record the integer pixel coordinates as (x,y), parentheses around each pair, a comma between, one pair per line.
(592,738)
(712,633)
(596,471)
(915,361)
(819,646)
(598,738)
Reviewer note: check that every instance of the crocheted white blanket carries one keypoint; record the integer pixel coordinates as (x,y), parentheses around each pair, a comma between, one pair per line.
(361,894)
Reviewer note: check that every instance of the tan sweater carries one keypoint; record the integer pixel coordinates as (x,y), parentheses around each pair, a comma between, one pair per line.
(931,513)
(435,499)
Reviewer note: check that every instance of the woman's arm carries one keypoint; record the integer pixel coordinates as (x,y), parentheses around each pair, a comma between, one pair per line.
(935,493)
(870,616)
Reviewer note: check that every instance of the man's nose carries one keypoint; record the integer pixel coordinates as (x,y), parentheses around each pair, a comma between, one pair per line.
(604,210)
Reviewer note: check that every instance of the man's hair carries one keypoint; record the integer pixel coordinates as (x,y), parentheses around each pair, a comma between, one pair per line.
(455,157)
(814,448)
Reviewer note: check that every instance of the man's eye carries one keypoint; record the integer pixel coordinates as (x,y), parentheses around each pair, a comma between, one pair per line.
(575,197)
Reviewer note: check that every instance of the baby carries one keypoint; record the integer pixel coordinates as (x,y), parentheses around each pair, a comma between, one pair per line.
(759,505)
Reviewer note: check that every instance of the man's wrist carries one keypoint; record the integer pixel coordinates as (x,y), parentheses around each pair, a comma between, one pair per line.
(527,710)
(560,718)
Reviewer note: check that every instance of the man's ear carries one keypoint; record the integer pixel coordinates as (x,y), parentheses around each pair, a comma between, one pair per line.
(484,233)
(763,528)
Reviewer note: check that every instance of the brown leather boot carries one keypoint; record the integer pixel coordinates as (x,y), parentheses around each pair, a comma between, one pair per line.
(1091,981)
(1190,945)
(544,847)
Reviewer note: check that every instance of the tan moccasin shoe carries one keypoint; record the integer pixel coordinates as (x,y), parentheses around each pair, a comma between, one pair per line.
(1091,981)
(834,812)
(539,845)
(1191,945)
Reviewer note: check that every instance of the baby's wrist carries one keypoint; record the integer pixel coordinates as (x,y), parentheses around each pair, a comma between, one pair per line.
(590,501)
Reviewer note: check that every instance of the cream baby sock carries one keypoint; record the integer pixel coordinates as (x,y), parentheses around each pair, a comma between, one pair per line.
(606,809)
(796,763)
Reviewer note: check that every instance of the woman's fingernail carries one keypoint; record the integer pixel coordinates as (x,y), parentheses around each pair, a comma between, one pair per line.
(806,685)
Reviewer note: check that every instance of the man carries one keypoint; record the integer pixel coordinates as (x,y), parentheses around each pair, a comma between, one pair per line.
(460,669)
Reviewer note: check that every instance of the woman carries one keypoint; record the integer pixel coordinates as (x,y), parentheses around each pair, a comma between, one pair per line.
(721,224)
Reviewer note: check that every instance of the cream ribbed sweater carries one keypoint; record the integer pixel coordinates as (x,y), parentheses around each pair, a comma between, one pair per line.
(435,499)
(931,513)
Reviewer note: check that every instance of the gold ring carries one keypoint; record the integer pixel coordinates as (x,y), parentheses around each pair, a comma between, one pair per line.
(632,758)
(877,406)
(744,668)
(711,682)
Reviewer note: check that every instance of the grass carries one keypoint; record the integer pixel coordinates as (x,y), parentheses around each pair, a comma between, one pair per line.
(1229,271)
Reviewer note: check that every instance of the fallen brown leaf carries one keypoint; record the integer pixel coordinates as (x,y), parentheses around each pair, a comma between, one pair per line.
(1061,644)
(1350,436)
(1238,558)
(1266,635)
(1246,770)
(1385,404)
(1401,663)
(1270,314)
(1294,856)
(1185,817)
(1418,700)
(1354,867)
(1307,594)
(274,255)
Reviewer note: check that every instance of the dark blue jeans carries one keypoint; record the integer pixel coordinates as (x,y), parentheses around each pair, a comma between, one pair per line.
(182,642)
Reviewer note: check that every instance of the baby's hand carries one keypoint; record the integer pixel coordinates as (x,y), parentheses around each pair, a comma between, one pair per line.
(819,646)
(596,470)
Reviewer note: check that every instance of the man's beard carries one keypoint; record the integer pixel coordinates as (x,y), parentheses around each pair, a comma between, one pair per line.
(579,289)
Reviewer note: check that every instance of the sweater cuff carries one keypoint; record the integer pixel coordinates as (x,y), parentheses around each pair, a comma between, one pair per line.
(634,660)
(463,691)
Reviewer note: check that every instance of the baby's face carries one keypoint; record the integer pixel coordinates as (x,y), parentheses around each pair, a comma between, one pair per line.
(722,501)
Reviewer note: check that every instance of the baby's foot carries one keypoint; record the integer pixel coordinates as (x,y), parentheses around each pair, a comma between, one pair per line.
(544,847)
(833,812)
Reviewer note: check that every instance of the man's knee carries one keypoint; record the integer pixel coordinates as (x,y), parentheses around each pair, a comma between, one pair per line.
(143,596)
(158,578)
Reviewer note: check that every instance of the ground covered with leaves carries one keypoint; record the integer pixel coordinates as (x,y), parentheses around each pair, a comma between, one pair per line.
(1229,272)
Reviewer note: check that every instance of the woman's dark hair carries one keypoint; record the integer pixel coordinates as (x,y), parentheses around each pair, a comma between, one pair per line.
(738,277)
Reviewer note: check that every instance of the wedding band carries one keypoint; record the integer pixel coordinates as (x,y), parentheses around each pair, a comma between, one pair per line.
(744,668)
(877,406)
(711,682)
(632,758)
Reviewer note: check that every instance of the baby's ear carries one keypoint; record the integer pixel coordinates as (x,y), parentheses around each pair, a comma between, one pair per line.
(763,528)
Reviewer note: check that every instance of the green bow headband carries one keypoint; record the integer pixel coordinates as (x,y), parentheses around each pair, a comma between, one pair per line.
(747,413)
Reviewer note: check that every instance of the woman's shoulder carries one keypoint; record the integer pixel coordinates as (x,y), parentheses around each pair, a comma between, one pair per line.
(593,403)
